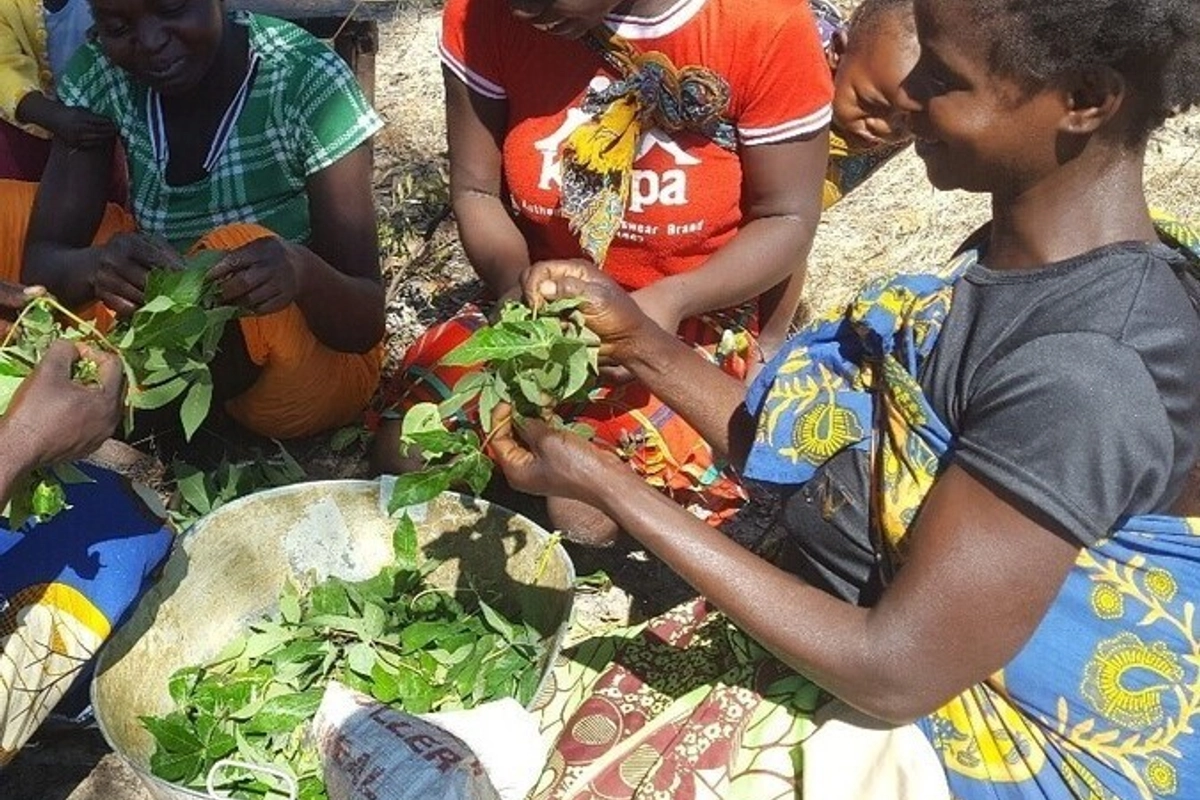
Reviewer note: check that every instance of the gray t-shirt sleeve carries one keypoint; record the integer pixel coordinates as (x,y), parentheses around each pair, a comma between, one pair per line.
(1073,425)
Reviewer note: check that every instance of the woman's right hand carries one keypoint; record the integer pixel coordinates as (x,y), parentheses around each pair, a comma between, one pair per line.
(53,418)
(608,310)
(540,459)
(125,262)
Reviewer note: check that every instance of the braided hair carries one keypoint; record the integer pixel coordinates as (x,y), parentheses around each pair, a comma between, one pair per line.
(1153,44)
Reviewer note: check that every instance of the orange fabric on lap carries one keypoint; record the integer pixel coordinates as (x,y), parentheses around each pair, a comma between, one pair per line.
(304,387)
(16,209)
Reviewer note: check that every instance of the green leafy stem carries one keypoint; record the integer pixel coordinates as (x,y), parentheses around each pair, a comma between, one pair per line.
(535,360)
(164,348)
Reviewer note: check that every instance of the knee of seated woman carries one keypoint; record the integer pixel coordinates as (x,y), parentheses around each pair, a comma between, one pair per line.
(581,523)
(386,455)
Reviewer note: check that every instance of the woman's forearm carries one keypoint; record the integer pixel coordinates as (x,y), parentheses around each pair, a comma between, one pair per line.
(763,254)
(67,272)
(814,633)
(781,198)
(476,127)
(979,577)
(494,245)
(17,457)
(674,372)
(345,312)
(68,210)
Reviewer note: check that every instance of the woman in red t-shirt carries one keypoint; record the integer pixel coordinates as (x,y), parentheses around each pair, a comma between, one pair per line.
(713,206)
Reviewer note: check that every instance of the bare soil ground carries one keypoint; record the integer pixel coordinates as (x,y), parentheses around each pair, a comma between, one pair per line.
(896,222)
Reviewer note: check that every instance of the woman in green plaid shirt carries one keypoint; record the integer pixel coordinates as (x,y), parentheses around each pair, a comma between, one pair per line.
(247,135)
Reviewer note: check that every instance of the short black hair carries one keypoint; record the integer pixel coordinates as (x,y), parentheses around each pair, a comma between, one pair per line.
(1153,44)
(869,16)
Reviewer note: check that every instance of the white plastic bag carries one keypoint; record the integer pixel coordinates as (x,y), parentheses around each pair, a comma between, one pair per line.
(854,757)
(371,751)
(506,739)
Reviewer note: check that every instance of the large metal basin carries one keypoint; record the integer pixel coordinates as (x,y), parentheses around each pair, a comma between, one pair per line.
(230,567)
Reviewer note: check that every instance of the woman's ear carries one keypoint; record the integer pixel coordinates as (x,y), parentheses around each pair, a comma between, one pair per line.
(1094,96)
(837,48)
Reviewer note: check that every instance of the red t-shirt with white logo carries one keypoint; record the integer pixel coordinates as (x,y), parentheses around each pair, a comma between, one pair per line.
(685,198)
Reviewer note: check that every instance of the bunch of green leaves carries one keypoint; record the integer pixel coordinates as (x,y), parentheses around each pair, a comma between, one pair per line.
(536,360)
(453,458)
(38,494)
(28,339)
(390,636)
(533,359)
(168,343)
(165,348)
(202,491)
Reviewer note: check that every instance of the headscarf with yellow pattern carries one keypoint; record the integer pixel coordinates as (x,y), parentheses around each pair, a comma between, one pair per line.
(597,158)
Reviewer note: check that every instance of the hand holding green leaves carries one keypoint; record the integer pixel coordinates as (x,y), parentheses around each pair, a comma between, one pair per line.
(163,350)
(56,402)
(53,416)
(532,360)
(541,459)
(609,312)
(168,342)
(126,261)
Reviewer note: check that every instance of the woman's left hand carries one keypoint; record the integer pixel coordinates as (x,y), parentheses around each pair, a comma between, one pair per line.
(539,459)
(13,297)
(260,277)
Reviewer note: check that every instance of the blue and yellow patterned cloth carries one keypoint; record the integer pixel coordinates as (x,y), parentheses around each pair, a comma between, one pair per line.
(65,584)
(1102,702)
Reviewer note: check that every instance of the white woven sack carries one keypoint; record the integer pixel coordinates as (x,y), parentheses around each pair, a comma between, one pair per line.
(371,751)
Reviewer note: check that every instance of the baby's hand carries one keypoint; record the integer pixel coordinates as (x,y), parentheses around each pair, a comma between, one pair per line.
(80,128)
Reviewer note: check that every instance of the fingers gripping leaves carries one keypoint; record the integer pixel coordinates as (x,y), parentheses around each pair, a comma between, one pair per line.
(168,343)
(164,348)
(533,360)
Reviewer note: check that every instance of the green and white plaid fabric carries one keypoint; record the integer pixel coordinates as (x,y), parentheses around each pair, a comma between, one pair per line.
(302,111)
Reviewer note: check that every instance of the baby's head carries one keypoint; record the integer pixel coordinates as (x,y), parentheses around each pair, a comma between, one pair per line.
(870,60)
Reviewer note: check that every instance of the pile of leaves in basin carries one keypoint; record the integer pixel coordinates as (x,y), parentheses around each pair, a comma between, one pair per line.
(392,636)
